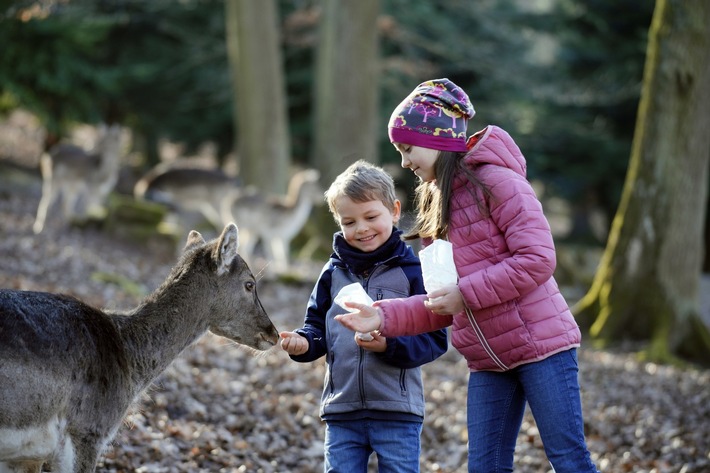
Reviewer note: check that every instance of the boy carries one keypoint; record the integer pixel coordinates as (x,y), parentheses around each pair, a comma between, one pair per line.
(373,398)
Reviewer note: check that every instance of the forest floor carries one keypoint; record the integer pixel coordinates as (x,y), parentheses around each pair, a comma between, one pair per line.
(221,408)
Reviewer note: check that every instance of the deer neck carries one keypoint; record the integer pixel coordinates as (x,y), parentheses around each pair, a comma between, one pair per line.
(109,162)
(108,150)
(301,203)
(157,331)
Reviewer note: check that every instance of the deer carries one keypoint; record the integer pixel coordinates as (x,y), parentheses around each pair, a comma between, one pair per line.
(184,189)
(275,220)
(69,372)
(80,179)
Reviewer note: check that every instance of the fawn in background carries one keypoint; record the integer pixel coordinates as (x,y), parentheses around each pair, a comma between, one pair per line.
(81,180)
(187,189)
(69,372)
(275,220)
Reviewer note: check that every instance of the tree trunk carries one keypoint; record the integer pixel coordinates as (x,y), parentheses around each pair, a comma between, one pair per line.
(253,45)
(647,284)
(346,91)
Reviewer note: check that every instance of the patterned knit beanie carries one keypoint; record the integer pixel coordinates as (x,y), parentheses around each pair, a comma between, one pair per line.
(434,115)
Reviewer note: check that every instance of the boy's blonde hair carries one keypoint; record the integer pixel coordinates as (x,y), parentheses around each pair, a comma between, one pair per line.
(362,182)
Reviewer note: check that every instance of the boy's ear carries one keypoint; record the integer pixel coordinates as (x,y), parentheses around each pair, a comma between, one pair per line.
(396,211)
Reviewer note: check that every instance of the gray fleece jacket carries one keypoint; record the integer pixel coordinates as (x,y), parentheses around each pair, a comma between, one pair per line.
(360,383)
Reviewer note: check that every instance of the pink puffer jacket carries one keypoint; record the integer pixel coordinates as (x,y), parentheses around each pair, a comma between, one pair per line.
(515,313)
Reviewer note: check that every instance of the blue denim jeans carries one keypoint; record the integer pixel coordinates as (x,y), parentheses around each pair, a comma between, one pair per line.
(496,404)
(349,444)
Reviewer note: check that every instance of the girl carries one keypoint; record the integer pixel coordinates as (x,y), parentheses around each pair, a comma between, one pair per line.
(509,319)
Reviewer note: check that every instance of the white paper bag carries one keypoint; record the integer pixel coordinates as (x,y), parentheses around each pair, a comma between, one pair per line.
(438,266)
(354,293)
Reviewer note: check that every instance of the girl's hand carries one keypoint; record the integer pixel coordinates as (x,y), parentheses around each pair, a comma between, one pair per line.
(293,343)
(377,344)
(367,319)
(446,301)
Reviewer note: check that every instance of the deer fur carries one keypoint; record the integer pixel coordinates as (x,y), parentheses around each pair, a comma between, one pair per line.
(184,189)
(275,220)
(69,372)
(81,180)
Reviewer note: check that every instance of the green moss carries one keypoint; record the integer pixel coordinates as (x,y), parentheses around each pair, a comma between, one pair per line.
(126,285)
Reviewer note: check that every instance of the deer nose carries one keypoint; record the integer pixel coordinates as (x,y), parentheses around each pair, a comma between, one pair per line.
(270,339)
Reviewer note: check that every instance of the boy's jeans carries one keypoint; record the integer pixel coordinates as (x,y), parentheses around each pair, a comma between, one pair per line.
(496,404)
(349,444)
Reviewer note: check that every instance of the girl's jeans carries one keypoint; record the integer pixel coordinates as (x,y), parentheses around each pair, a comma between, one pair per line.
(349,444)
(496,404)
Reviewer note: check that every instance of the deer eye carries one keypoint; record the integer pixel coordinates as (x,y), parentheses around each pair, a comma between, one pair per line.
(249,286)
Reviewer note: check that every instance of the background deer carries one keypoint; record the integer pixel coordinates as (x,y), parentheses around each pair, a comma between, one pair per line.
(69,372)
(275,220)
(184,189)
(81,180)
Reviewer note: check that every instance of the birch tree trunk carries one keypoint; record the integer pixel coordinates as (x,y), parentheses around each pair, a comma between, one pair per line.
(647,285)
(260,106)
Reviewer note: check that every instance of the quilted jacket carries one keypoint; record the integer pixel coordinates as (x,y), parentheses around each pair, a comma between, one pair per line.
(515,313)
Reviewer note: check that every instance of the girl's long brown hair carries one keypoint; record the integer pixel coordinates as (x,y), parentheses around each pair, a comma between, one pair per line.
(433,199)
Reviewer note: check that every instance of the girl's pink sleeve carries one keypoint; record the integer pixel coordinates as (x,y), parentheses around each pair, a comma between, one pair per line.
(409,316)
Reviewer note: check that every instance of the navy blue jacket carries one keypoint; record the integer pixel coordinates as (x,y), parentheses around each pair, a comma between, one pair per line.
(360,383)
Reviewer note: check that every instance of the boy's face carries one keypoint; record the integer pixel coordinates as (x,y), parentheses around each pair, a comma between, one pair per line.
(366,225)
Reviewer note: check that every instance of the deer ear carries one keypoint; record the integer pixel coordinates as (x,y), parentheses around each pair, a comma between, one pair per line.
(227,247)
(193,239)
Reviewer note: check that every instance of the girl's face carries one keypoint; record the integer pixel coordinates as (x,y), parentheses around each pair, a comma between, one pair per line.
(366,225)
(419,160)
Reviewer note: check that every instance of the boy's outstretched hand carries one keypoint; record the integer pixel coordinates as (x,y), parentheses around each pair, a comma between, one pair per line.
(293,343)
(367,319)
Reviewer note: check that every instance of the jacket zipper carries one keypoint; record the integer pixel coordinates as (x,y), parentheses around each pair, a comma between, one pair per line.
(361,376)
(484,342)
(360,369)
(364,281)
(330,380)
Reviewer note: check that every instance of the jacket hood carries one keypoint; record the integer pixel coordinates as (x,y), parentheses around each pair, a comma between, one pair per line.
(493,145)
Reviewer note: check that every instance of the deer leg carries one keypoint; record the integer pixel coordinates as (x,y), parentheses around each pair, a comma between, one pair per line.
(93,201)
(279,248)
(44,204)
(212,215)
(69,201)
(87,454)
(247,244)
(64,458)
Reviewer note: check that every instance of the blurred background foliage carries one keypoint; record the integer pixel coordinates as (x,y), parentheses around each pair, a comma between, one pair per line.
(563,76)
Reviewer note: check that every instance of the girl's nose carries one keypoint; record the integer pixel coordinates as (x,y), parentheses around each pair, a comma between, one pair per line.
(405,162)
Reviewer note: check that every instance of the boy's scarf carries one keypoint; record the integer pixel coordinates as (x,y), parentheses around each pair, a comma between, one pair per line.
(359,262)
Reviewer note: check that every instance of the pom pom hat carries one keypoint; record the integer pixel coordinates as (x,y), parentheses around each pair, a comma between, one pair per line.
(434,115)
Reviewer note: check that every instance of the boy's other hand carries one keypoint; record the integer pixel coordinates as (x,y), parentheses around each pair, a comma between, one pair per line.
(377,344)
(293,343)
